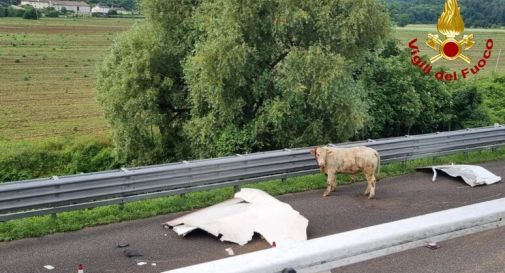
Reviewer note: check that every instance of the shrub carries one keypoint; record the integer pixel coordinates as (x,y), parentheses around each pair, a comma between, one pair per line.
(53,13)
(31,13)
(28,160)
(15,12)
(3,12)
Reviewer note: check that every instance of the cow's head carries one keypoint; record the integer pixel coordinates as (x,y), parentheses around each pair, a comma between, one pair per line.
(320,154)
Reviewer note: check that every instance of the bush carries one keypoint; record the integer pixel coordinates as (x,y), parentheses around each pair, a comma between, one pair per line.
(112,12)
(28,160)
(15,12)
(31,13)
(53,13)
(3,12)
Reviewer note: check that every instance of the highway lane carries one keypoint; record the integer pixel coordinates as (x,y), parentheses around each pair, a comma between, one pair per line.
(477,253)
(346,209)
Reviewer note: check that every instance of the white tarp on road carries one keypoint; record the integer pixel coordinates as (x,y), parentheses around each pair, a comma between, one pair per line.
(472,175)
(239,218)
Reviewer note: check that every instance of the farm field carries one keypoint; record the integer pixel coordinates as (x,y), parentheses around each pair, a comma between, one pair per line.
(47,73)
(406,34)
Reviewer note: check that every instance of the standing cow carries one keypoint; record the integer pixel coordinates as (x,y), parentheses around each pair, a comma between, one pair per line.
(348,160)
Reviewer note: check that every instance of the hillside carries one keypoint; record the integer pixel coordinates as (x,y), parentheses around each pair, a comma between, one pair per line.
(476,13)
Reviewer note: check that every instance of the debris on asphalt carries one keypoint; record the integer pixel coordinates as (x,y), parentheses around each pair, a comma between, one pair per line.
(239,218)
(141,263)
(49,267)
(130,253)
(288,270)
(230,251)
(123,245)
(153,264)
(471,174)
(432,245)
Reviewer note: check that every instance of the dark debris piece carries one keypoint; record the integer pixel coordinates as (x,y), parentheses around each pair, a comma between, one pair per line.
(130,253)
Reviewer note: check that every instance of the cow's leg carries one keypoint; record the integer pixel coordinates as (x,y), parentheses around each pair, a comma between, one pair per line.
(371,184)
(330,181)
(353,178)
(368,187)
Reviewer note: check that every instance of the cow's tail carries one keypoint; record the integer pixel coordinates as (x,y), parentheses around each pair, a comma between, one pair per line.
(378,163)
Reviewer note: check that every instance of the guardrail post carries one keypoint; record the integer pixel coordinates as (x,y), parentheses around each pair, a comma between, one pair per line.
(236,188)
(54,216)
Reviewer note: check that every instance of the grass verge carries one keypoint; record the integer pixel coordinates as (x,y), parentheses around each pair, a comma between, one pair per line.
(76,220)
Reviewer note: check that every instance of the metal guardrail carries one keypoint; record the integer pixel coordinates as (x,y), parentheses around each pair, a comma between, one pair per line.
(334,251)
(58,194)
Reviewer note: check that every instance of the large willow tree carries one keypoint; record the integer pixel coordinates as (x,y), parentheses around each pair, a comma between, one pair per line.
(214,77)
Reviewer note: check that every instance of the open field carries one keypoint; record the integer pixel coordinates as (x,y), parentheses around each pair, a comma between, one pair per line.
(406,34)
(47,67)
(46,75)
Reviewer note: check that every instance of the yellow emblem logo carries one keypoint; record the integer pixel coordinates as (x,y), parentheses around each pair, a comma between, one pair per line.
(450,24)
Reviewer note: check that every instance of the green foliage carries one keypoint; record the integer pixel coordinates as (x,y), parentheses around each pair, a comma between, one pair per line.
(3,11)
(467,108)
(215,77)
(15,12)
(139,84)
(492,91)
(402,99)
(23,160)
(476,13)
(112,12)
(52,13)
(31,13)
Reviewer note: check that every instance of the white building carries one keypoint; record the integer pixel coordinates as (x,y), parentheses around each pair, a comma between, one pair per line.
(78,7)
(38,4)
(100,9)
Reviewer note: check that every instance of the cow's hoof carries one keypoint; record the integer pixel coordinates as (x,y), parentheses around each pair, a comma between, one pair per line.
(371,197)
(326,194)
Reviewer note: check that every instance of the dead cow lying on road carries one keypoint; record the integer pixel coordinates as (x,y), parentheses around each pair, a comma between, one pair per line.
(350,161)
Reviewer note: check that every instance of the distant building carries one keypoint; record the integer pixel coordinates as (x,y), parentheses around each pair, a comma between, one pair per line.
(104,10)
(78,7)
(38,4)
(100,9)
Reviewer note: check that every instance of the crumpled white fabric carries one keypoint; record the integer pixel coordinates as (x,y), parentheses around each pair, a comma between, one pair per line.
(472,175)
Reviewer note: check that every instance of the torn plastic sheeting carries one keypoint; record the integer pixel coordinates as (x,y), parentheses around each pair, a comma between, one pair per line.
(472,175)
(239,218)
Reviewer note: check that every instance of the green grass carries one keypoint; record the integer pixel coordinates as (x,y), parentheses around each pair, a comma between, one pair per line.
(76,220)
(406,34)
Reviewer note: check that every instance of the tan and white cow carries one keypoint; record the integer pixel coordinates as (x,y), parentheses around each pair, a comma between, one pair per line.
(350,161)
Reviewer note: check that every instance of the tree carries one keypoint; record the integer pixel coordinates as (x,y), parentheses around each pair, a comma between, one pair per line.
(402,99)
(3,12)
(141,85)
(112,12)
(215,77)
(31,13)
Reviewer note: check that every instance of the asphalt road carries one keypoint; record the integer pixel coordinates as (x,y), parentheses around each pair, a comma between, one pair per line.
(346,209)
